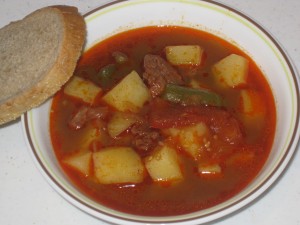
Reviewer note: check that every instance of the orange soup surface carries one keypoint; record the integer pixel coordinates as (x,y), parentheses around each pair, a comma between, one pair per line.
(162,121)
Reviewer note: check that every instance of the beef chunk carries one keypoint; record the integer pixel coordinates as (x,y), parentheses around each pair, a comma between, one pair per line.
(158,73)
(84,114)
(227,128)
(145,138)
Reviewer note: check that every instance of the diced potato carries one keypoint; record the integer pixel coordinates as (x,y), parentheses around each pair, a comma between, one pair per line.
(120,122)
(191,138)
(115,165)
(163,165)
(253,112)
(129,95)
(231,71)
(88,134)
(247,105)
(210,170)
(82,89)
(251,102)
(81,162)
(184,54)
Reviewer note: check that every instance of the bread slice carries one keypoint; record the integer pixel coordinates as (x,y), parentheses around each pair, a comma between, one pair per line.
(38,54)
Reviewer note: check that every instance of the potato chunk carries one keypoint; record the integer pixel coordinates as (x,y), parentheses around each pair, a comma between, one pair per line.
(128,95)
(253,111)
(191,138)
(231,71)
(251,102)
(120,122)
(82,89)
(115,165)
(246,102)
(184,54)
(163,165)
(81,162)
(88,135)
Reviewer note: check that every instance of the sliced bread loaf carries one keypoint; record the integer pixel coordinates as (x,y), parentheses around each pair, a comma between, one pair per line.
(38,54)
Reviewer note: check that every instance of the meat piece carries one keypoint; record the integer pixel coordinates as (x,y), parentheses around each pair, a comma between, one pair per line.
(227,128)
(97,112)
(158,73)
(78,119)
(84,114)
(145,138)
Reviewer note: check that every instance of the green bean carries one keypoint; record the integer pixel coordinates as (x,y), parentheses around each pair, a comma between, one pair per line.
(105,75)
(191,96)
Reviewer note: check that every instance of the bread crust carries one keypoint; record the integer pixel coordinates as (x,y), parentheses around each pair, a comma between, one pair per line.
(71,48)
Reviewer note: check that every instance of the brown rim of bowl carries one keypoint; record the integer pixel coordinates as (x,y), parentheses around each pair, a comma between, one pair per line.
(294,76)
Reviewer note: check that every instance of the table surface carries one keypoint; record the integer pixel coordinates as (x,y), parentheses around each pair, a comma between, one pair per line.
(26,197)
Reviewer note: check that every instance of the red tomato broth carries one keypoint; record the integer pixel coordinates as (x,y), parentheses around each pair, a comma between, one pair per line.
(194,192)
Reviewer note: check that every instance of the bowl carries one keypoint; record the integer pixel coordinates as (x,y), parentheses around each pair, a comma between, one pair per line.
(221,21)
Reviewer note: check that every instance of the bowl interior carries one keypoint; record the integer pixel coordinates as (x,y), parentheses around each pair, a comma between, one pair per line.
(204,15)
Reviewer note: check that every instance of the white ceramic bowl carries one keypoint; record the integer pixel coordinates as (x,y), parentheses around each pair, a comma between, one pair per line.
(205,15)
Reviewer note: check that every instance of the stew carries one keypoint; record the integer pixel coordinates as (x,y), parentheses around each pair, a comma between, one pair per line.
(162,121)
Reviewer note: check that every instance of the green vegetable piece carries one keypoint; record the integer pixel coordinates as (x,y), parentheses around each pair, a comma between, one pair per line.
(120,57)
(105,75)
(190,96)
